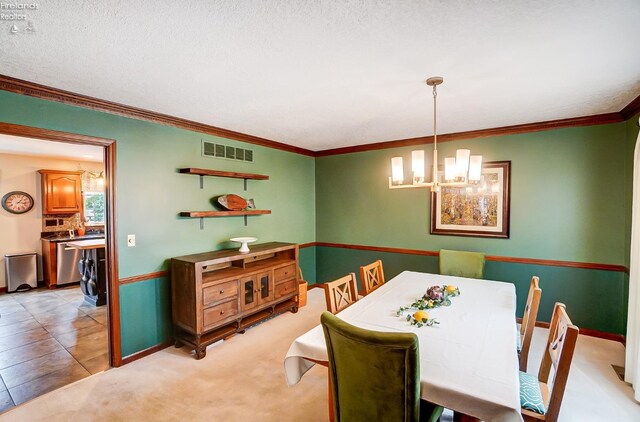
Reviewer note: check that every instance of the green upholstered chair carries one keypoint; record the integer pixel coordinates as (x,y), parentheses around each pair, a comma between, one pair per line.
(461,263)
(374,376)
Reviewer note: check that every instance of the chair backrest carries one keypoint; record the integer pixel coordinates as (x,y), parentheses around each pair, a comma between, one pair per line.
(340,293)
(461,263)
(529,321)
(375,376)
(371,277)
(559,353)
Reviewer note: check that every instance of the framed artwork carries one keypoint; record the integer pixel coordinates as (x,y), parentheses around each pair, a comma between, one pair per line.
(480,210)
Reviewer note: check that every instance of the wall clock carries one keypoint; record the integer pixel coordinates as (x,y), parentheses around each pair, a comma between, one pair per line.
(17,202)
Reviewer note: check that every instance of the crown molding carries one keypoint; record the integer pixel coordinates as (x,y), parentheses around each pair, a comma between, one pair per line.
(631,109)
(32,89)
(598,119)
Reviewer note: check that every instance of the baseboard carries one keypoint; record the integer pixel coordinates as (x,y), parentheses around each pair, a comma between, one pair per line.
(588,332)
(3,290)
(146,352)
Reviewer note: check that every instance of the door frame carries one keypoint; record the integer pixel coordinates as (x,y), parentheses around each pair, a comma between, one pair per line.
(113,291)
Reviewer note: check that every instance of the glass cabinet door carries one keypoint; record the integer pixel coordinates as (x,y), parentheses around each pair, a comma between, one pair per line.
(249,292)
(266,286)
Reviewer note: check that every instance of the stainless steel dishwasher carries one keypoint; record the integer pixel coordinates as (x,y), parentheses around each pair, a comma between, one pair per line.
(67,260)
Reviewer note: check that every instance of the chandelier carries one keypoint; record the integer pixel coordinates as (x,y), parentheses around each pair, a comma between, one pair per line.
(462,170)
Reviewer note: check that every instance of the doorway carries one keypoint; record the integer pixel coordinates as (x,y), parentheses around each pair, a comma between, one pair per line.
(71,295)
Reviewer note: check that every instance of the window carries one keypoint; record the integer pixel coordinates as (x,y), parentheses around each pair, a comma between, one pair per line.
(94,208)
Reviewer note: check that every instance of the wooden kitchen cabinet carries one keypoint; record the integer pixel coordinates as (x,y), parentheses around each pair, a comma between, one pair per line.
(49,263)
(61,191)
(217,294)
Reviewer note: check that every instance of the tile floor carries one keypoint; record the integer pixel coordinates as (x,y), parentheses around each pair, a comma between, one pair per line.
(48,339)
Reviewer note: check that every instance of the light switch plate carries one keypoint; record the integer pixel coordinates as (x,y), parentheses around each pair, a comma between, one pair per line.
(131,240)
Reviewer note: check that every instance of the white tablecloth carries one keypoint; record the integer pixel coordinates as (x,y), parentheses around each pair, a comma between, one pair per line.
(468,362)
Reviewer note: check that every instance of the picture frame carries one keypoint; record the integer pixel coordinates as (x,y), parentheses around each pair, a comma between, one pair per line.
(477,211)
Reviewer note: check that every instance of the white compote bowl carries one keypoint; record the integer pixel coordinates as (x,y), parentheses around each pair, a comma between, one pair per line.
(245,242)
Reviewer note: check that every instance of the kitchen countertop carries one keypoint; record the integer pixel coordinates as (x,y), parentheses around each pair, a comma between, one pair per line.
(86,244)
(66,238)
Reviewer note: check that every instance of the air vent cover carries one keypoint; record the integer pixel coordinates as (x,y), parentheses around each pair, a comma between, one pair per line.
(213,150)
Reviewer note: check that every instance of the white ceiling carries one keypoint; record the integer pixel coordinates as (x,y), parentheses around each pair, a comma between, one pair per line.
(36,147)
(326,74)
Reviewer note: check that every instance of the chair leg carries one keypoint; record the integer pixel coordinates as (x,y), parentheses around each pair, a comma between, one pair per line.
(332,417)
(430,412)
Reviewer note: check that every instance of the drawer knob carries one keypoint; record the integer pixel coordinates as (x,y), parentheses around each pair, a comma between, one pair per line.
(221,312)
(221,291)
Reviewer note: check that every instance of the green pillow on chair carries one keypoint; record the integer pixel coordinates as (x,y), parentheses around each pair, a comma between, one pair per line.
(461,263)
(530,394)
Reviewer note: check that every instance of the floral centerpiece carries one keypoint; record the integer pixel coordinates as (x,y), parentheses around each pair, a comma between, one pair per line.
(435,297)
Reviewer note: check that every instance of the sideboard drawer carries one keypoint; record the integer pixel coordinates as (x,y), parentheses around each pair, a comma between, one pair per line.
(219,292)
(219,312)
(286,288)
(284,273)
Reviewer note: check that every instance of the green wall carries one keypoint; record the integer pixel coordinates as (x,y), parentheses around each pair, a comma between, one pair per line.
(568,192)
(594,299)
(569,201)
(145,310)
(308,264)
(632,130)
(151,193)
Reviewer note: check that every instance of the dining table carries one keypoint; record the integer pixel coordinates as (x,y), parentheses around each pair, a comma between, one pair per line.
(468,360)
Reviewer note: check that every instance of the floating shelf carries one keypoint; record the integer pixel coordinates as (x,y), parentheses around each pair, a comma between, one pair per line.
(202,214)
(199,214)
(220,173)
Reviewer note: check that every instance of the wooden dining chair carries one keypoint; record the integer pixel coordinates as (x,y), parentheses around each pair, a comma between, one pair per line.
(371,277)
(537,400)
(340,293)
(528,322)
(461,263)
(374,376)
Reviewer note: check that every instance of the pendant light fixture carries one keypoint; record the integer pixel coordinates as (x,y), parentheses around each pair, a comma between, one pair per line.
(461,170)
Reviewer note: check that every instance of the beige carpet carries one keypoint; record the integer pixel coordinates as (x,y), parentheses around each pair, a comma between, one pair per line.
(242,379)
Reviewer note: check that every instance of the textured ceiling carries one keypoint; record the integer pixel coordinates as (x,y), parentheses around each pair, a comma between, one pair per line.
(326,74)
(28,146)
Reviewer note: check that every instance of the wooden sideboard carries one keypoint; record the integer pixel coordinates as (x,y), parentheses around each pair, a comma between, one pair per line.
(217,294)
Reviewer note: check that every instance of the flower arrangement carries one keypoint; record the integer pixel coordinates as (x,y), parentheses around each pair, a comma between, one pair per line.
(435,297)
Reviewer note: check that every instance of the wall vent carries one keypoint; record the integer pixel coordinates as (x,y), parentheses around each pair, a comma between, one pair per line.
(213,150)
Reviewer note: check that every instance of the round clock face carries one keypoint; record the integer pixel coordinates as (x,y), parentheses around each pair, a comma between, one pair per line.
(17,202)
